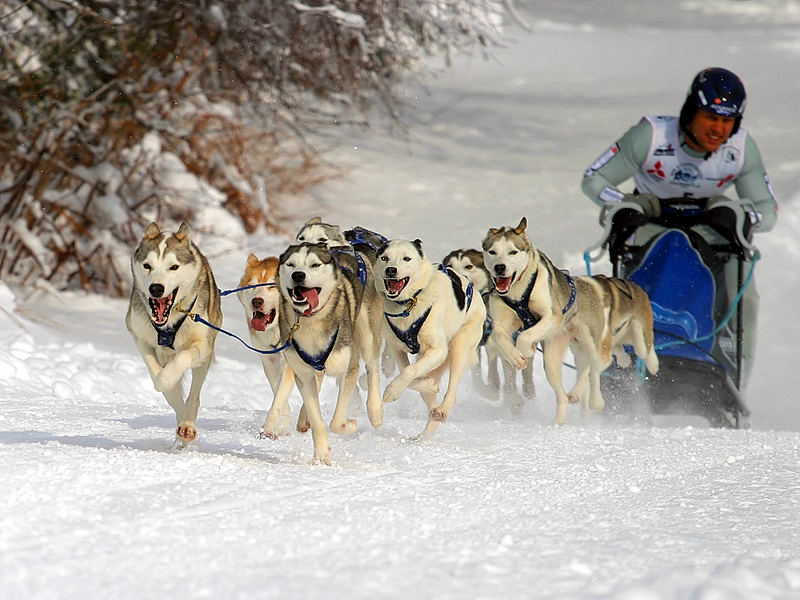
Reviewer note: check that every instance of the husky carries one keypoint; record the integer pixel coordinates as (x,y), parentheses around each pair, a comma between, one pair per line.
(432,312)
(262,304)
(172,278)
(315,231)
(630,322)
(331,315)
(468,262)
(549,307)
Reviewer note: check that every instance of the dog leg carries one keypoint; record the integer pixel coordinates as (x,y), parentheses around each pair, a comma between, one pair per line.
(554,350)
(426,362)
(528,388)
(510,394)
(374,400)
(187,428)
(340,423)
(277,421)
(319,432)
(463,353)
(431,426)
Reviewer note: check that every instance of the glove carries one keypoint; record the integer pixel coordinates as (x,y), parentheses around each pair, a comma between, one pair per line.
(651,205)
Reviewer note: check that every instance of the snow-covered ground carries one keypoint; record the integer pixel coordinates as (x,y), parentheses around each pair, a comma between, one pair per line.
(495,505)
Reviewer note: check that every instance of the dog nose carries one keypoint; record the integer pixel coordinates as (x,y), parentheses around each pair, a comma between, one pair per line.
(390,272)
(156,290)
(500,269)
(257,303)
(298,276)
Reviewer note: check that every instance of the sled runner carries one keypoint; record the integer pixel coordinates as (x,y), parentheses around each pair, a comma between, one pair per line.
(683,260)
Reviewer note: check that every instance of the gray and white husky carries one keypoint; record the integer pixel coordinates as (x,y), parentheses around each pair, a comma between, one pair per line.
(432,312)
(538,303)
(171,278)
(331,314)
(468,262)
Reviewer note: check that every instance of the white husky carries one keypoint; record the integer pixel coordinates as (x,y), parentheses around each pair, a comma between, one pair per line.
(431,312)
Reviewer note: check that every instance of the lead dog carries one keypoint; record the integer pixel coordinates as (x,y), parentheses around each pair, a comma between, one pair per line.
(331,314)
(551,308)
(430,312)
(170,278)
(468,262)
(261,301)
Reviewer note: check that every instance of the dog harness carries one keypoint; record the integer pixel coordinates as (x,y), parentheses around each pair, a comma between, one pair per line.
(410,336)
(362,267)
(318,361)
(522,310)
(166,335)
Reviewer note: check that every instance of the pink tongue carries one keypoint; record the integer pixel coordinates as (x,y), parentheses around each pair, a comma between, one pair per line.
(260,320)
(161,306)
(259,323)
(396,285)
(310,295)
(502,283)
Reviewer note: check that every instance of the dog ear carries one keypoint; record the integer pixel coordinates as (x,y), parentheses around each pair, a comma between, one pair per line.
(183,232)
(252,260)
(313,221)
(418,243)
(523,225)
(151,232)
(493,231)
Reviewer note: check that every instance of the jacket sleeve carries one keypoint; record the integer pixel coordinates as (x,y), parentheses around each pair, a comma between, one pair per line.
(753,188)
(617,164)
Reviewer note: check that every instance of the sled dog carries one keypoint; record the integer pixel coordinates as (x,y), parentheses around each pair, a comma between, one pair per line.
(547,306)
(331,314)
(468,262)
(432,312)
(171,278)
(262,305)
(630,322)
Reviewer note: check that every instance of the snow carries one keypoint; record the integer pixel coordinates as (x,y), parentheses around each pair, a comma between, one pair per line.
(496,504)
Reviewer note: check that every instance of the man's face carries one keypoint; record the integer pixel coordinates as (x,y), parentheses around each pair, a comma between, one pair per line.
(710,130)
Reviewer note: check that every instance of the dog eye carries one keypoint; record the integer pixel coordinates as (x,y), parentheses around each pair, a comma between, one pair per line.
(406,259)
(322,240)
(513,252)
(316,265)
(491,252)
(146,266)
(383,258)
(174,267)
(301,238)
(468,267)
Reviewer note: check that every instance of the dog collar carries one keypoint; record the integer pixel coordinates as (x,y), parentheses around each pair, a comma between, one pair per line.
(166,335)
(407,311)
(318,361)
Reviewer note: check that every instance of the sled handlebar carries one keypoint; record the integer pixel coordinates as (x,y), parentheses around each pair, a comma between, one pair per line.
(727,218)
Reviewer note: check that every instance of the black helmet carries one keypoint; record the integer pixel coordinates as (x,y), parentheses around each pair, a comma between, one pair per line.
(716,90)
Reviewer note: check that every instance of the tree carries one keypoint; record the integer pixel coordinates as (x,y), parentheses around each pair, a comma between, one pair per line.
(116,113)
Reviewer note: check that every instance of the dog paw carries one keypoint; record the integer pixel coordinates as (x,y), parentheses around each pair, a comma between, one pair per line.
(597,402)
(438,415)
(375,414)
(322,458)
(264,435)
(573,398)
(187,432)
(348,427)
(393,391)
(426,385)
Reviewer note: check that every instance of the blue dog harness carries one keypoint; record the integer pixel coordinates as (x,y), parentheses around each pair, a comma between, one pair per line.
(318,361)
(522,310)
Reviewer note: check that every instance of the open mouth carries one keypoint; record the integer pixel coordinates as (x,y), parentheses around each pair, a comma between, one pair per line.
(161,307)
(308,296)
(502,284)
(260,320)
(395,286)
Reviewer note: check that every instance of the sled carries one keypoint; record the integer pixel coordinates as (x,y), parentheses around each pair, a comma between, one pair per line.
(698,320)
